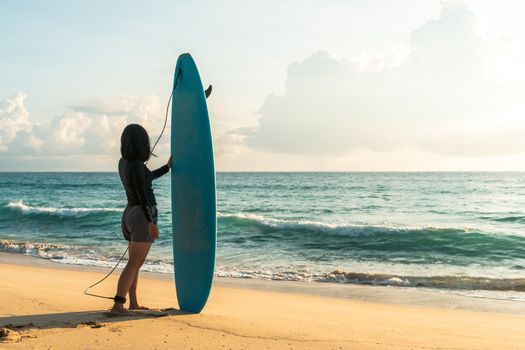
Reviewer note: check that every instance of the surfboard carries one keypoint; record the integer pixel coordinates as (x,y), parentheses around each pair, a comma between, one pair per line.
(193,189)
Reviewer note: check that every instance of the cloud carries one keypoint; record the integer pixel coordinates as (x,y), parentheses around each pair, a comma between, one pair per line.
(13,119)
(91,129)
(444,93)
(94,128)
(451,90)
(228,139)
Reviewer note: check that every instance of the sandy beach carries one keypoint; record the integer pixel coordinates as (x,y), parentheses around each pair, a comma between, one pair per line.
(303,174)
(42,307)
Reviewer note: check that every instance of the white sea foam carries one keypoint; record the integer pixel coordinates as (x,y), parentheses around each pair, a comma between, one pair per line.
(335,227)
(75,255)
(44,250)
(160,267)
(88,256)
(27,209)
(276,274)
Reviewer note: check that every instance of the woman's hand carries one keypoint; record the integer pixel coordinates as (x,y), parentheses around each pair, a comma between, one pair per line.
(153,230)
(169,162)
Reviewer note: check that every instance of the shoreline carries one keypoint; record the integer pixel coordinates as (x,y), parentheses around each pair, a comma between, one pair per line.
(407,296)
(42,306)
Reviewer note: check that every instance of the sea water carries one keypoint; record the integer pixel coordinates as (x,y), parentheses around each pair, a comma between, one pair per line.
(462,232)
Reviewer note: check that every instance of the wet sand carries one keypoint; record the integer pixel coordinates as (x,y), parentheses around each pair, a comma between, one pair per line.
(42,306)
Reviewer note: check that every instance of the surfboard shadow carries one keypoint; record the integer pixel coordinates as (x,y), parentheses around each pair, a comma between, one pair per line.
(93,319)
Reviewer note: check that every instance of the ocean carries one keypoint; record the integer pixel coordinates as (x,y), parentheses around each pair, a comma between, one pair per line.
(449,232)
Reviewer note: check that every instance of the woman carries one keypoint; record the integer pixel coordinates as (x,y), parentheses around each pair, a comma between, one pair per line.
(139,221)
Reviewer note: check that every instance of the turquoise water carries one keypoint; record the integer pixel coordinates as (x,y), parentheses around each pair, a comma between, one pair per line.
(452,231)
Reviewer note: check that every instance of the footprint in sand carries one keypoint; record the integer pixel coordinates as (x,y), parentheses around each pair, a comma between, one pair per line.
(9,336)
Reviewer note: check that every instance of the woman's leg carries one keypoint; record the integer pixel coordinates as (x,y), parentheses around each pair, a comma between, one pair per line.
(133,301)
(137,254)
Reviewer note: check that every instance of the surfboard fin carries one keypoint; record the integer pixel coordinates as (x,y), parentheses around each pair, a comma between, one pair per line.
(207,92)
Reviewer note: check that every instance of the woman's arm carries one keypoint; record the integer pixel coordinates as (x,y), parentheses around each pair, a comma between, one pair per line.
(162,170)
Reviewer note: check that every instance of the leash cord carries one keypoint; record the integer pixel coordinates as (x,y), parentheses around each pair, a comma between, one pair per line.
(165,118)
(110,272)
(122,257)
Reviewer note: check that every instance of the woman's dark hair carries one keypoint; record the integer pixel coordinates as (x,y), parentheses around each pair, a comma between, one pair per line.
(134,143)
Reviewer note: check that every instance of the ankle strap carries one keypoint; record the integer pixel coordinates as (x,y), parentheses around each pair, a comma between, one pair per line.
(119,300)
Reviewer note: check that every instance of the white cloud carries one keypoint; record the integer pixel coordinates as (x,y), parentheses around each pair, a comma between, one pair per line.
(13,118)
(90,129)
(94,128)
(445,94)
(228,139)
(453,91)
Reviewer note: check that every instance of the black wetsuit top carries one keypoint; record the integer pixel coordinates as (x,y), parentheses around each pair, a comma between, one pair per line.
(137,179)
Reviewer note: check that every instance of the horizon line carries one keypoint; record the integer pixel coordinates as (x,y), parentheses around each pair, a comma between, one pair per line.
(287,171)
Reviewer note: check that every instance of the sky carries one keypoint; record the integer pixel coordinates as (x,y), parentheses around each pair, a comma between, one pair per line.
(358,85)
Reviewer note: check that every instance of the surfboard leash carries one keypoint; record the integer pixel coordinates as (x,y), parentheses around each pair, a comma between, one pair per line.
(110,272)
(207,93)
(124,254)
(165,117)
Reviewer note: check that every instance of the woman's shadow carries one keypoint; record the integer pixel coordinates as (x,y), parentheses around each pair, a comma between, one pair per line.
(74,319)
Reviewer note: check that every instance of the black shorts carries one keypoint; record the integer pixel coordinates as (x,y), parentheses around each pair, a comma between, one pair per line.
(135,227)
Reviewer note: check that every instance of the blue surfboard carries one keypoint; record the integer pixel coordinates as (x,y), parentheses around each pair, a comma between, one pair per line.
(193,190)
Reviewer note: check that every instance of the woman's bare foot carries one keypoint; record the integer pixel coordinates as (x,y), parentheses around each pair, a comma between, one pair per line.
(136,307)
(119,310)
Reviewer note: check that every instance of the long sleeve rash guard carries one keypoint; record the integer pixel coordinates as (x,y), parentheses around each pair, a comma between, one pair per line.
(137,180)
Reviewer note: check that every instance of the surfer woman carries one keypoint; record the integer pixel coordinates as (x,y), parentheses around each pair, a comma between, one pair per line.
(139,221)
